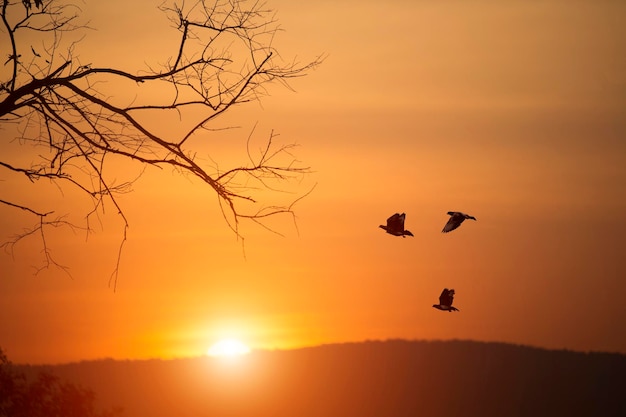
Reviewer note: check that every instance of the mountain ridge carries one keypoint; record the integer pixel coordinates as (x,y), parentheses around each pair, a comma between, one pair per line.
(332,344)
(393,377)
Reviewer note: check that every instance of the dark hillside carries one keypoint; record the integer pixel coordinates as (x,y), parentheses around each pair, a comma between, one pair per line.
(391,378)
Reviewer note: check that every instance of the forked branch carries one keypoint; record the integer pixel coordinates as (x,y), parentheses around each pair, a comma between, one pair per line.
(73,129)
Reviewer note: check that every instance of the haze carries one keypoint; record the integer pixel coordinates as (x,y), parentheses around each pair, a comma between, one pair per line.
(512,111)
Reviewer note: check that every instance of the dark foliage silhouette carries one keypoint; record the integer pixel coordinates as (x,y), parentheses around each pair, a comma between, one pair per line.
(45,395)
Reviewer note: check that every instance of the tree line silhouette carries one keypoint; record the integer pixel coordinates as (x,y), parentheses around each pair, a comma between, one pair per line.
(45,394)
(374,378)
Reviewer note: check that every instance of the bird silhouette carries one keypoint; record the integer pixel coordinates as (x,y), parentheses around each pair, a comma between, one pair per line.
(395,225)
(455,220)
(445,301)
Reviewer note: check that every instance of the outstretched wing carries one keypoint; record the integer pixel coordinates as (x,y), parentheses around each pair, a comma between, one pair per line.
(401,221)
(395,223)
(450,297)
(454,221)
(392,220)
(444,297)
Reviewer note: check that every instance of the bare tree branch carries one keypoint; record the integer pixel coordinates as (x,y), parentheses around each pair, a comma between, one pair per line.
(71,125)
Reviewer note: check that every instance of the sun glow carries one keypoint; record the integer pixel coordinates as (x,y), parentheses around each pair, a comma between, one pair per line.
(228,347)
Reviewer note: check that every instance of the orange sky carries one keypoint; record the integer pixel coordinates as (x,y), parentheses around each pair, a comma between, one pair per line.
(512,111)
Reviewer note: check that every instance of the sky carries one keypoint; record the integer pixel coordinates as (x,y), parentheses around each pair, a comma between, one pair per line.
(511,111)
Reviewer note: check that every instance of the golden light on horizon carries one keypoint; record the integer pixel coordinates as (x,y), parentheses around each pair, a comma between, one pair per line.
(228,348)
(505,110)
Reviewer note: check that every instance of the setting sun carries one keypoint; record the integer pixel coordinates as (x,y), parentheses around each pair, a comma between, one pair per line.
(228,347)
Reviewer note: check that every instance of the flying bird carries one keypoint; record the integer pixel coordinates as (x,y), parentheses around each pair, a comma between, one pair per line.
(455,220)
(445,301)
(395,225)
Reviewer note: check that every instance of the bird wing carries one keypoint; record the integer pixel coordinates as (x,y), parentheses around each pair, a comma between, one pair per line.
(450,297)
(443,298)
(393,219)
(395,223)
(401,221)
(454,221)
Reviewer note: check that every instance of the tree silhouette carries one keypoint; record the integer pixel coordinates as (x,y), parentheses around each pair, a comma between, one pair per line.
(45,396)
(75,131)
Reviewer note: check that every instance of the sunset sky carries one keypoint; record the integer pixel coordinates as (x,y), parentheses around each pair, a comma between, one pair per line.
(511,111)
